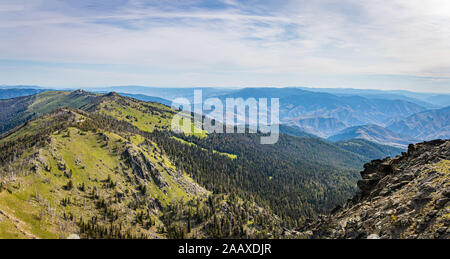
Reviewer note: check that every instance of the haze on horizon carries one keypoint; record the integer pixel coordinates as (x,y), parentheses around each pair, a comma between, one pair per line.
(367,44)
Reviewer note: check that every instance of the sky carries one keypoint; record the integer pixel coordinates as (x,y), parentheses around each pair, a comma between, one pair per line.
(366,44)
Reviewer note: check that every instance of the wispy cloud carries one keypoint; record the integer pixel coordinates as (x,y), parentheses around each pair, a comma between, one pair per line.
(264,42)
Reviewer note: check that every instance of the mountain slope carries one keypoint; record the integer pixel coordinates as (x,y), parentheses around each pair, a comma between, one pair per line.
(297,177)
(19,110)
(375,134)
(320,126)
(427,125)
(147,98)
(368,149)
(295,131)
(404,197)
(89,174)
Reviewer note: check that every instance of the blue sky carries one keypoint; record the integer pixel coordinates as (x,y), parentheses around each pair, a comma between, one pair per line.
(395,44)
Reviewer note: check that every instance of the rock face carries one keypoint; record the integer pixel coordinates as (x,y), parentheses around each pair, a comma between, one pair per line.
(143,167)
(404,197)
(147,170)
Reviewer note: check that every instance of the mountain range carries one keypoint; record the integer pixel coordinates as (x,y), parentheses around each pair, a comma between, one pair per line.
(386,121)
(374,133)
(107,166)
(427,125)
(17,92)
(332,114)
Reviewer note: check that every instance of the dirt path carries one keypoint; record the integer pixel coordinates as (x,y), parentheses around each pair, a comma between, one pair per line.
(18,224)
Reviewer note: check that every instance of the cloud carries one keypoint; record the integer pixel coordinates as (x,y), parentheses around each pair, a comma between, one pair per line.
(265,42)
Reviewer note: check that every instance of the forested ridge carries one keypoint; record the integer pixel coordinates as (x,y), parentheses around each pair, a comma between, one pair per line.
(275,176)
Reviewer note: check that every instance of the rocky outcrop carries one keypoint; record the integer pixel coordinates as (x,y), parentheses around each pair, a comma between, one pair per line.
(404,197)
(143,167)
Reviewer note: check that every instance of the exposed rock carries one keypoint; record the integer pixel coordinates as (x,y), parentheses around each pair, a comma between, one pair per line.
(404,197)
(73,236)
(61,166)
(146,169)
(143,167)
(103,136)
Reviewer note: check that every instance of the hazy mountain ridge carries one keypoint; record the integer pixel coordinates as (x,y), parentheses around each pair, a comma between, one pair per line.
(18,92)
(429,100)
(322,114)
(427,125)
(374,133)
(352,110)
(325,114)
(320,126)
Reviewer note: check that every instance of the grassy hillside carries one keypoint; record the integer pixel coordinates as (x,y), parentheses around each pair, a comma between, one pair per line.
(98,177)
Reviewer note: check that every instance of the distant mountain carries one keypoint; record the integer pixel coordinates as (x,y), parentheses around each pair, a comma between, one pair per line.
(296,132)
(350,110)
(395,97)
(168,93)
(147,98)
(264,92)
(428,100)
(17,92)
(369,149)
(21,87)
(364,148)
(427,125)
(320,126)
(442,99)
(374,133)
